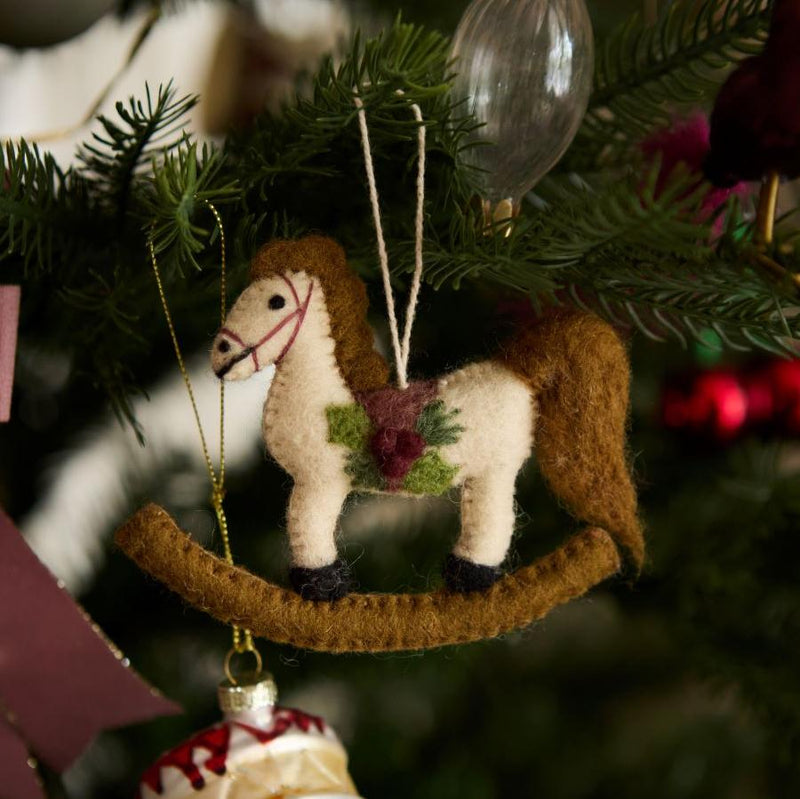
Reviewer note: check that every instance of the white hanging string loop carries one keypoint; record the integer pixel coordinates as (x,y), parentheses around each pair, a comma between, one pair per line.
(411,308)
(382,256)
(401,350)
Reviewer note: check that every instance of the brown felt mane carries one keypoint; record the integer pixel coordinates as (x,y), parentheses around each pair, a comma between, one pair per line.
(345,297)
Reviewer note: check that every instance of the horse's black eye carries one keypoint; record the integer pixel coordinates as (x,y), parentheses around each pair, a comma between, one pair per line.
(276,302)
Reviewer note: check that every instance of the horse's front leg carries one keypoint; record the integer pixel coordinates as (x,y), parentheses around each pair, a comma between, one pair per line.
(487,524)
(314,507)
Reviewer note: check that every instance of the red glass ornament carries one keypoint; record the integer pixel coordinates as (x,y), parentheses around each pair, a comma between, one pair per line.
(722,405)
(784,380)
(713,404)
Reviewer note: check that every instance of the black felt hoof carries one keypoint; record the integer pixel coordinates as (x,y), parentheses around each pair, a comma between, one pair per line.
(463,576)
(323,584)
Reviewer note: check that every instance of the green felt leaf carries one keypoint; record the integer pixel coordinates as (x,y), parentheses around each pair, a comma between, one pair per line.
(348,425)
(436,424)
(431,474)
(362,468)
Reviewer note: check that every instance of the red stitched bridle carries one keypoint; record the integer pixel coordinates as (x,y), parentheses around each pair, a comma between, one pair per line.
(299,313)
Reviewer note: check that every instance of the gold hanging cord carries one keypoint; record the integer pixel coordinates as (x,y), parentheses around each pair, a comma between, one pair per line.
(242,639)
(765,230)
(142,34)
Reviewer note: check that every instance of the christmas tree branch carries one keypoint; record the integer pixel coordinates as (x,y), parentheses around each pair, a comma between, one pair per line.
(606,241)
(43,211)
(145,128)
(313,146)
(635,258)
(76,239)
(182,184)
(642,71)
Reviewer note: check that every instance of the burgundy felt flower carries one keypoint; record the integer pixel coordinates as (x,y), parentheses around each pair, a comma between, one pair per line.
(396,450)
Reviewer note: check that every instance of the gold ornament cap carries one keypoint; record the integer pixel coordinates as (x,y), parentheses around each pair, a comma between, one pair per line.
(256,691)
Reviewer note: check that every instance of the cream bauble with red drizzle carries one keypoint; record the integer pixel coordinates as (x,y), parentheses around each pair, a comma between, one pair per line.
(258,751)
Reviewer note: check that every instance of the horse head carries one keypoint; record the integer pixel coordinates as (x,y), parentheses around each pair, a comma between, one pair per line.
(262,325)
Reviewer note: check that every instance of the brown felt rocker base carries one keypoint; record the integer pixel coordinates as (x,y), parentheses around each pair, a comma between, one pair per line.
(363,622)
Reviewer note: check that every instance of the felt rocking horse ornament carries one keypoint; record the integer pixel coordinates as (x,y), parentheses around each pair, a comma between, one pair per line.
(334,423)
(337,425)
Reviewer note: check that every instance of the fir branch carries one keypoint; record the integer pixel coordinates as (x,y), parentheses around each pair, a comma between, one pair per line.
(606,242)
(637,259)
(146,129)
(572,224)
(178,187)
(314,142)
(78,234)
(663,302)
(43,210)
(641,70)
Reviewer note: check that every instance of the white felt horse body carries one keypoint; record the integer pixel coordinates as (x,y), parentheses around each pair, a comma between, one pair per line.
(335,425)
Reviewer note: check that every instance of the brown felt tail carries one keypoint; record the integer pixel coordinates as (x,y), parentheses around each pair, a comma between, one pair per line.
(579,372)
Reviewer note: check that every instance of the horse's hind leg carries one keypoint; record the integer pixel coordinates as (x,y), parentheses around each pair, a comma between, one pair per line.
(314,508)
(487,524)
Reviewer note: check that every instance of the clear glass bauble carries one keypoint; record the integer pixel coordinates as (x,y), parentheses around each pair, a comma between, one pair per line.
(525,68)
